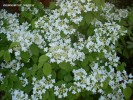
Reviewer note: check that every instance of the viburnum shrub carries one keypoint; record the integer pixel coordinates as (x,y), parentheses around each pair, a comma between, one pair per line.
(66,51)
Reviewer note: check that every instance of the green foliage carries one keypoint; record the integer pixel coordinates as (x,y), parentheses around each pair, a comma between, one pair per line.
(106,82)
(7,56)
(65,66)
(34,49)
(89,17)
(43,58)
(47,69)
(52,5)
(1,53)
(127,93)
(25,56)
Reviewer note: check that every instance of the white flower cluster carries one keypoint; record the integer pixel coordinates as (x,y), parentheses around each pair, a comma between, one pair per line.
(60,92)
(105,35)
(40,86)
(19,33)
(23,80)
(92,82)
(10,20)
(29,9)
(13,65)
(112,14)
(58,36)
(95,81)
(73,8)
(19,95)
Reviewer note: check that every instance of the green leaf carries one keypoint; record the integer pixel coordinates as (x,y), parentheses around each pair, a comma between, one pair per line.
(34,49)
(39,5)
(27,72)
(7,56)
(1,53)
(89,17)
(68,77)
(35,59)
(47,69)
(85,62)
(40,64)
(13,44)
(43,58)
(61,74)
(13,78)
(65,66)
(46,96)
(127,93)
(52,96)
(25,56)
(105,83)
(52,5)
(34,69)
(90,31)
(33,23)
(130,46)
(122,67)
(28,88)
(27,15)
(108,90)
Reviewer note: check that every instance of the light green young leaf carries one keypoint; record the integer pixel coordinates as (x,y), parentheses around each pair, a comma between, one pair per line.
(105,83)
(47,69)
(7,56)
(13,44)
(40,64)
(52,5)
(43,58)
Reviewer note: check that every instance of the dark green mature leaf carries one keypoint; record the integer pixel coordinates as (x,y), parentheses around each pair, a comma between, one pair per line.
(61,74)
(89,17)
(7,56)
(51,94)
(25,56)
(27,72)
(68,77)
(28,88)
(1,53)
(127,92)
(85,62)
(47,69)
(35,59)
(46,96)
(34,49)
(65,66)
(34,69)
(27,15)
(108,90)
